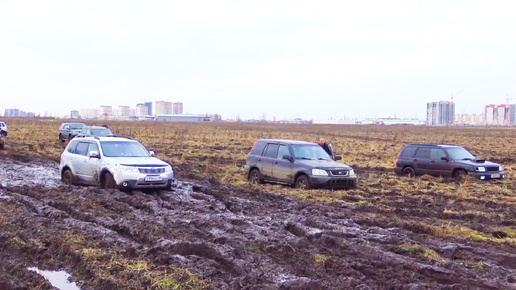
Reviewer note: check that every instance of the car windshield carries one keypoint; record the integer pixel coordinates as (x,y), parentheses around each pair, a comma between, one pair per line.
(76,126)
(123,149)
(101,132)
(308,151)
(459,153)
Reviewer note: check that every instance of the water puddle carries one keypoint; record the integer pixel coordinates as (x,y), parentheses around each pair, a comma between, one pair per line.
(58,279)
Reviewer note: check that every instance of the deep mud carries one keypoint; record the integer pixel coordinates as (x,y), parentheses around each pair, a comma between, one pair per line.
(230,238)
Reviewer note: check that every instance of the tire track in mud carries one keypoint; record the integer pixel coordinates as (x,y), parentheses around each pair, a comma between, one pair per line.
(241,239)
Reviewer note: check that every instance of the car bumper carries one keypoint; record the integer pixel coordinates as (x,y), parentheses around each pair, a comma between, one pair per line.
(333,182)
(398,170)
(137,180)
(488,175)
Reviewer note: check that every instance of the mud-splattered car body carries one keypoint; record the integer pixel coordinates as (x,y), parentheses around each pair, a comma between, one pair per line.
(298,163)
(113,162)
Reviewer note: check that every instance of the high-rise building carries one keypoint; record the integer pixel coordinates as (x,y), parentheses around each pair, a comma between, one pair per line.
(144,109)
(512,114)
(163,108)
(178,108)
(498,115)
(106,111)
(123,111)
(440,113)
(74,114)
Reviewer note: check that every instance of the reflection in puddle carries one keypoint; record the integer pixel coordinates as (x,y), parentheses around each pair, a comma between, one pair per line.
(58,279)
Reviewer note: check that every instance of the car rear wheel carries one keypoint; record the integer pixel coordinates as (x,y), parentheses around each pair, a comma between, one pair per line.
(67,177)
(255,177)
(109,181)
(409,172)
(302,182)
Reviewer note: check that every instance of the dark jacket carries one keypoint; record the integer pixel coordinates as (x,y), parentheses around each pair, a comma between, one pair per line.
(328,150)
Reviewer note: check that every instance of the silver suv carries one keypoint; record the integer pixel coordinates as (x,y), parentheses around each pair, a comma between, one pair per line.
(3,128)
(113,162)
(69,130)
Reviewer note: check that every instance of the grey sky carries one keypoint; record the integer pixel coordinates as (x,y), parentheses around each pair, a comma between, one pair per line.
(312,59)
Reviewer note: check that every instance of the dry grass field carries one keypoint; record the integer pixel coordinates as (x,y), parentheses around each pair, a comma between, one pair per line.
(477,213)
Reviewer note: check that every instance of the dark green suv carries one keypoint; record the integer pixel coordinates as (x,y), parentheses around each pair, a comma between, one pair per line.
(298,163)
(444,160)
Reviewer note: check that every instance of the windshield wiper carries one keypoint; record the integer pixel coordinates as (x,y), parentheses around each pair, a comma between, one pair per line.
(305,158)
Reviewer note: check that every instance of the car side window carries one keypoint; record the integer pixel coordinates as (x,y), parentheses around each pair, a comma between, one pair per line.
(283,150)
(257,148)
(72,146)
(271,150)
(408,152)
(82,148)
(436,154)
(92,147)
(423,153)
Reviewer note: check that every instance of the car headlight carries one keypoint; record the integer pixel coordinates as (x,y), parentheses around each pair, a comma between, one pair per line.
(168,169)
(481,169)
(319,172)
(500,168)
(132,169)
(351,172)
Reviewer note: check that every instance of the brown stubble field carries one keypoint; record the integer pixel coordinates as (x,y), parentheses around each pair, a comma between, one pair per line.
(470,212)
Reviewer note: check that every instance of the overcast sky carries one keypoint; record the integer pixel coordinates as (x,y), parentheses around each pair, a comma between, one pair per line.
(308,59)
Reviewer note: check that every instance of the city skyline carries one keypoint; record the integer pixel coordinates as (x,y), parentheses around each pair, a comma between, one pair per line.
(290,59)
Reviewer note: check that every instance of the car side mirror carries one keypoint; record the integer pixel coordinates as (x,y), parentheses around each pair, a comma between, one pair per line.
(338,157)
(445,158)
(151,153)
(94,154)
(288,157)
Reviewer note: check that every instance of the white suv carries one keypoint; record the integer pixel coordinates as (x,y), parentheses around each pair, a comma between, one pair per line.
(3,128)
(113,162)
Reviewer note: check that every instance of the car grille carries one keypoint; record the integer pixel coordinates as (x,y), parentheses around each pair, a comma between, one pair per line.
(340,172)
(492,168)
(151,170)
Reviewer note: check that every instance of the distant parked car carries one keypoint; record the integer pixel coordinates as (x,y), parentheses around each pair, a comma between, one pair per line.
(444,160)
(113,162)
(298,163)
(3,128)
(69,130)
(95,131)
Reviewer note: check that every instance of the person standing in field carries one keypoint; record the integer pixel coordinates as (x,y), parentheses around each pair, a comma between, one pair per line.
(327,147)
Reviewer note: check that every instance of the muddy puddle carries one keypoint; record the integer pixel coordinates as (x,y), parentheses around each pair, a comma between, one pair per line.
(220,237)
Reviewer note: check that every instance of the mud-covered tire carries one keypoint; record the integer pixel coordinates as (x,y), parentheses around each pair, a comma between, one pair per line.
(67,177)
(61,139)
(255,177)
(302,182)
(460,174)
(108,181)
(409,172)
(1,146)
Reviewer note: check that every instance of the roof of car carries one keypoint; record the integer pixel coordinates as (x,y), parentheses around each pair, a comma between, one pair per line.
(95,127)
(287,141)
(433,145)
(106,138)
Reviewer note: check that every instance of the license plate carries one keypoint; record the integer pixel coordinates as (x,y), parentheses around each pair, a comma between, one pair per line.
(496,175)
(153,178)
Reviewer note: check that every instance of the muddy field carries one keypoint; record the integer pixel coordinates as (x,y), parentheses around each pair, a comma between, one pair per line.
(217,233)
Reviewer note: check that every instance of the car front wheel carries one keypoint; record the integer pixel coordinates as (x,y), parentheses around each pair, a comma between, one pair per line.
(302,182)
(109,181)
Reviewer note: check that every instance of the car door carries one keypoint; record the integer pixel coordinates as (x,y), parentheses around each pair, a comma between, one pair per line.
(92,164)
(282,168)
(268,159)
(85,166)
(438,166)
(422,161)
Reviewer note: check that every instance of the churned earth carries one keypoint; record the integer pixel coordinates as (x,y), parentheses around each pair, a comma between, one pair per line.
(216,236)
